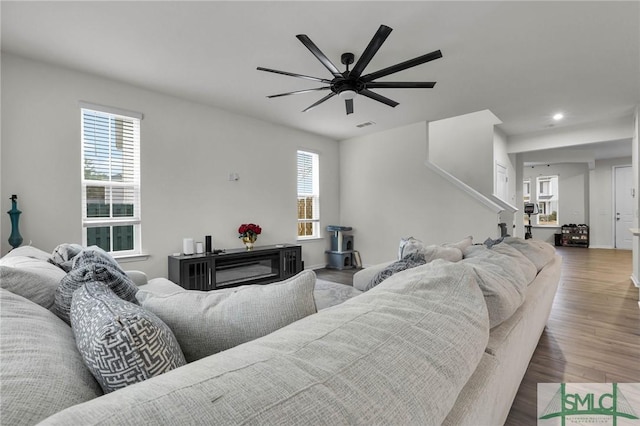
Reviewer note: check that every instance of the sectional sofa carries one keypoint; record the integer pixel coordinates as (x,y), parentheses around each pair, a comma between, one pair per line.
(446,342)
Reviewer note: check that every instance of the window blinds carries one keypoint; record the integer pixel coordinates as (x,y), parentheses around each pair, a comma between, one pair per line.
(111,175)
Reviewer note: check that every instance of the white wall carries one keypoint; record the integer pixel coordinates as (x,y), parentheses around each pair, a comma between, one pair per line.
(387,193)
(187,151)
(464,147)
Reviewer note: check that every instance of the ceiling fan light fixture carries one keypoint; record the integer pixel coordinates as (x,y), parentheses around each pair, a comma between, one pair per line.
(348,94)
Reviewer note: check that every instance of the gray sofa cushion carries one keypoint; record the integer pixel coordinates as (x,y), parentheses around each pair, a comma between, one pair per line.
(28,251)
(501,280)
(207,322)
(92,268)
(120,342)
(538,252)
(31,277)
(41,371)
(524,264)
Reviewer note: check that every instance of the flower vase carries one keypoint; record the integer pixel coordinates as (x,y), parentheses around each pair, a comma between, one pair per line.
(15,239)
(249,241)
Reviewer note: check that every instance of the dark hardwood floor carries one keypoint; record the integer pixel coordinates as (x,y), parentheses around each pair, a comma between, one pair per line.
(344,276)
(593,332)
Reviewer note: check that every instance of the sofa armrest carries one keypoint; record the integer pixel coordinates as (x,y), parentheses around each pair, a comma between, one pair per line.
(138,277)
(361,279)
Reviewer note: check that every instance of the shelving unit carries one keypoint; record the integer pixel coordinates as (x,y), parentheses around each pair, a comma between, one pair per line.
(575,236)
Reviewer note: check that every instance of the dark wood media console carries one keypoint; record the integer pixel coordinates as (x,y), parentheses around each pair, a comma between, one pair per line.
(235,267)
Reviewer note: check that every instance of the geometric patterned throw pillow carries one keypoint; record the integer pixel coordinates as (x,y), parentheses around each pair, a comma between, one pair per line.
(121,343)
(86,272)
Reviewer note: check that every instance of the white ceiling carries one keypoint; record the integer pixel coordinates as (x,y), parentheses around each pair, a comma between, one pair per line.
(522,60)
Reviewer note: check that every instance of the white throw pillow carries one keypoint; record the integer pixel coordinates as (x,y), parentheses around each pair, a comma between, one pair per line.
(207,322)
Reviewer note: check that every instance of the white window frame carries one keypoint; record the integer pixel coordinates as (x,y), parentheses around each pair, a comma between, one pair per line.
(314,193)
(134,185)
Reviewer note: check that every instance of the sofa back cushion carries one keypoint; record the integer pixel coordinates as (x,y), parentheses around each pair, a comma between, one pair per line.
(209,322)
(31,277)
(120,342)
(501,280)
(41,371)
(538,252)
(525,265)
(29,251)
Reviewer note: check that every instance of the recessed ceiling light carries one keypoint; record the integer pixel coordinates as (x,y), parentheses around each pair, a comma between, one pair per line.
(558,116)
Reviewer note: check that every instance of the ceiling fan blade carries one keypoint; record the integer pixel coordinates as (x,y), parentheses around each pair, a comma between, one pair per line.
(318,54)
(297,92)
(330,95)
(379,98)
(403,66)
(322,80)
(401,85)
(376,42)
(348,103)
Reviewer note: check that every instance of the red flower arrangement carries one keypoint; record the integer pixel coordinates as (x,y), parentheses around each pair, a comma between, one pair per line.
(250,230)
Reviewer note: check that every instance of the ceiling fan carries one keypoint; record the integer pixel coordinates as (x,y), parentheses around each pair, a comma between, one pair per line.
(350,83)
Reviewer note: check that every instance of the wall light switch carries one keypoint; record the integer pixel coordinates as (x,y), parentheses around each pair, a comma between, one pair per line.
(233,177)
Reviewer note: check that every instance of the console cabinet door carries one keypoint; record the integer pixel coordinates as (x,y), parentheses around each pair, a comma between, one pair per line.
(196,274)
(290,261)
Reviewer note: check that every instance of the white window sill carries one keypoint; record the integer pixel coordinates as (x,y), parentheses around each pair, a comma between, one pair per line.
(310,239)
(126,258)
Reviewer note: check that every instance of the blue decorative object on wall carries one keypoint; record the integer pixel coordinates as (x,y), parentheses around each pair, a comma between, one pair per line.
(15,239)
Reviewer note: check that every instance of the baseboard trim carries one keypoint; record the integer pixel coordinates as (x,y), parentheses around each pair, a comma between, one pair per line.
(635,282)
(314,267)
(602,247)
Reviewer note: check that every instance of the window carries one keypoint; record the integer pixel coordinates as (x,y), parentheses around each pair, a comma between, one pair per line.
(308,195)
(111,180)
(547,200)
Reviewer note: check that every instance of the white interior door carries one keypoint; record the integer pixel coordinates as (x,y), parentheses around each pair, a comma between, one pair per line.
(623,207)
(502,187)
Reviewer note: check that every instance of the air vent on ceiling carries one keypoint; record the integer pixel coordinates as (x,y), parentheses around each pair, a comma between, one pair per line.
(365,124)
